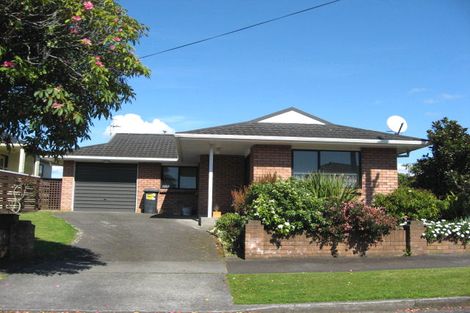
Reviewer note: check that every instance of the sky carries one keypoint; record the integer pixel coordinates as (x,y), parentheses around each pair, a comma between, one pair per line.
(355,63)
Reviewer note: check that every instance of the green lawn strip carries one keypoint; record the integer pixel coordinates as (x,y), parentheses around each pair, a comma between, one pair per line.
(348,286)
(52,233)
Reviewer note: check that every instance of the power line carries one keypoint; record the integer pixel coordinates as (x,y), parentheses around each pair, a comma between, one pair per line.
(240,29)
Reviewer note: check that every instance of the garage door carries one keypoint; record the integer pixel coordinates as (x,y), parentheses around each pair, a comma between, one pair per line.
(105,187)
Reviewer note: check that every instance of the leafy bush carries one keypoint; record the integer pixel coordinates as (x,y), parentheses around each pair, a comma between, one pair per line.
(285,207)
(334,188)
(229,228)
(405,180)
(443,230)
(459,205)
(358,225)
(412,203)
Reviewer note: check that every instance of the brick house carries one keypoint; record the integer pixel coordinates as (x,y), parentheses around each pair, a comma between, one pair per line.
(196,170)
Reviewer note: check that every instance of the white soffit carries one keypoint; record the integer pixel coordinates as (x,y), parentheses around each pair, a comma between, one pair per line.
(291,117)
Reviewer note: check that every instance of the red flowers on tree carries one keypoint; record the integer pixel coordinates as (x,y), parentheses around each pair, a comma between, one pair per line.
(88,5)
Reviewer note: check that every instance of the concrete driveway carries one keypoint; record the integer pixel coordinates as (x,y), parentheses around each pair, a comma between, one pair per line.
(125,262)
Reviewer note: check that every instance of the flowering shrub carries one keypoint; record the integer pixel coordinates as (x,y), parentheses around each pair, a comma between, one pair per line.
(358,225)
(313,207)
(285,207)
(444,230)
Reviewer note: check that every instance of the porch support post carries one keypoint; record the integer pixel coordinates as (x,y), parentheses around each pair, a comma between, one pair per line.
(36,166)
(21,161)
(210,181)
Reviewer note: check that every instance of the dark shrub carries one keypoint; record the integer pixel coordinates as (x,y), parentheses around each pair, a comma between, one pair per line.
(359,225)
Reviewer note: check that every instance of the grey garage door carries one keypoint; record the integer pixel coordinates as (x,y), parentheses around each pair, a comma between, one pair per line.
(105,187)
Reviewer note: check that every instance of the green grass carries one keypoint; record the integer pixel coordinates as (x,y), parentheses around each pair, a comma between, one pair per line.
(348,286)
(52,233)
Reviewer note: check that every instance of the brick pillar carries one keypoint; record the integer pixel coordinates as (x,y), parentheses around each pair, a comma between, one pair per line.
(379,172)
(148,176)
(270,159)
(68,186)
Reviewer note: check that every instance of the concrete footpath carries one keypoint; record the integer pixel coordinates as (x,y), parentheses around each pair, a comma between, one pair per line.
(239,266)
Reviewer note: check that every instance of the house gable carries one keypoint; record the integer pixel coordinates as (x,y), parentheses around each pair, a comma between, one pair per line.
(292,117)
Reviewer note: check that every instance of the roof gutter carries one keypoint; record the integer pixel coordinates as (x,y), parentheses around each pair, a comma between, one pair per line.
(303,139)
(122,159)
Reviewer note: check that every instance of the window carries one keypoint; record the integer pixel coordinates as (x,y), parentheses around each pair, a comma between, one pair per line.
(3,162)
(188,177)
(345,163)
(179,177)
(305,162)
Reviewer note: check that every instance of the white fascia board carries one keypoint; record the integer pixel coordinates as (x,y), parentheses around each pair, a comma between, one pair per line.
(14,145)
(123,159)
(303,139)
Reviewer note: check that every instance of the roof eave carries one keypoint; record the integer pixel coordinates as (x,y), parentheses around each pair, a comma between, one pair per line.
(351,141)
(90,158)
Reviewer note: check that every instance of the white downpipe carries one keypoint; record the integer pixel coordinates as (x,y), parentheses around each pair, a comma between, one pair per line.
(210,181)
(21,161)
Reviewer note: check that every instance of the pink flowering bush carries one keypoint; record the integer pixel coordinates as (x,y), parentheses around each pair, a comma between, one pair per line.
(358,225)
(88,5)
(8,64)
(86,41)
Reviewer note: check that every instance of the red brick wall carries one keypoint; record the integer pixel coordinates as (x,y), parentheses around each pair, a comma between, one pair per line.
(229,173)
(170,201)
(270,159)
(379,172)
(259,244)
(148,176)
(68,185)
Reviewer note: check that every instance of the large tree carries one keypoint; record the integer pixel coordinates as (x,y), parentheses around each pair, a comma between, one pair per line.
(446,171)
(63,63)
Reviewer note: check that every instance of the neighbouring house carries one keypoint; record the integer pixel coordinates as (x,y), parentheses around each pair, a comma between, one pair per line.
(197,170)
(15,159)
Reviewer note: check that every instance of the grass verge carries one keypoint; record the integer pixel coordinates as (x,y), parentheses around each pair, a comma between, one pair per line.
(348,286)
(51,232)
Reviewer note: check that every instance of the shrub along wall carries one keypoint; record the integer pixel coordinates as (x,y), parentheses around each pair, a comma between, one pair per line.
(260,244)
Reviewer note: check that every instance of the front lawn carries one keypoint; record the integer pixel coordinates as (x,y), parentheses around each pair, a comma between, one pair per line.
(348,286)
(52,233)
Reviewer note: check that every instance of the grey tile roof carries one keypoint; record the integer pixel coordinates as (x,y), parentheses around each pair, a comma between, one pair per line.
(133,146)
(329,130)
(298,130)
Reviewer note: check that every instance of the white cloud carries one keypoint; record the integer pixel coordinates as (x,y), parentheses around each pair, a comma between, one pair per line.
(133,123)
(443,97)
(417,90)
(430,101)
(448,96)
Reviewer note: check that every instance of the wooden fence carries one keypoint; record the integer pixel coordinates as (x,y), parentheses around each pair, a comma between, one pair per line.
(33,192)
